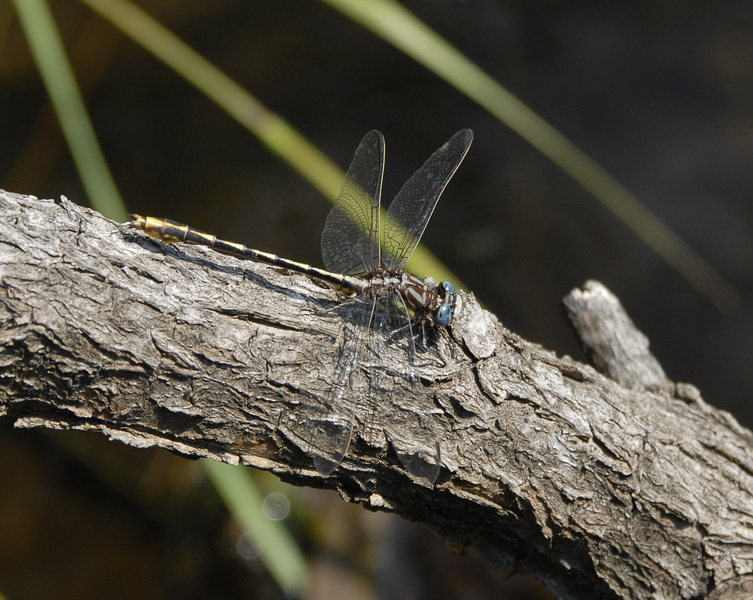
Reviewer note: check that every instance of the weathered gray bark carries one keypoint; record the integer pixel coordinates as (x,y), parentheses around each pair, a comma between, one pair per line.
(548,467)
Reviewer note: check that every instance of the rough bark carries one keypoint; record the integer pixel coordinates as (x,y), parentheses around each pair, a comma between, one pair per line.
(598,489)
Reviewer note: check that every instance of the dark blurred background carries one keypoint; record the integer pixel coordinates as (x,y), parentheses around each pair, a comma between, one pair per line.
(658,92)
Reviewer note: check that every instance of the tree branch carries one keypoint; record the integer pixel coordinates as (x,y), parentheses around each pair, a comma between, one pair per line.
(548,467)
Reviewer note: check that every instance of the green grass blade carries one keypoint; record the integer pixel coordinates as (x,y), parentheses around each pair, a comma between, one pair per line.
(398,26)
(49,53)
(276,547)
(278,135)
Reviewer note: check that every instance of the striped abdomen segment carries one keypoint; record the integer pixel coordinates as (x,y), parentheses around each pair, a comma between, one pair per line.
(171,231)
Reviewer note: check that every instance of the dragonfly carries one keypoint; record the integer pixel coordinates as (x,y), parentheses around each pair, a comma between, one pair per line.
(382,307)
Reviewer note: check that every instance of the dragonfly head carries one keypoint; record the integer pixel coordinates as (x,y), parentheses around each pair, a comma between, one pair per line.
(450,306)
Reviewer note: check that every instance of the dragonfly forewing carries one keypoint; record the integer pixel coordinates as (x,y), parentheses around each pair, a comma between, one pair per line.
(326,424)
(399,410)
(410,211)
(350,239)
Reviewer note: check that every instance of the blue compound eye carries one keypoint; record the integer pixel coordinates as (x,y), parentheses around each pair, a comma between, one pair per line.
(448,288)
(443,315)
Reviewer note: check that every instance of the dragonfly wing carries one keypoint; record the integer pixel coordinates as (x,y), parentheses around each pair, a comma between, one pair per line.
(414,204)
(350,239)
(400,406)
(325,423)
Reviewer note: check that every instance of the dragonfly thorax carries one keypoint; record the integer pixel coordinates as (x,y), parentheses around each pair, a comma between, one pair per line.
(422,296)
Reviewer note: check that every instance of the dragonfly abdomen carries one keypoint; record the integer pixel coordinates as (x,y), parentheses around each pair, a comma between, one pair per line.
(170,232)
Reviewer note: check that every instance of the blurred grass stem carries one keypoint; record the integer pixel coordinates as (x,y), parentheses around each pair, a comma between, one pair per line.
(49,53)
(275,545)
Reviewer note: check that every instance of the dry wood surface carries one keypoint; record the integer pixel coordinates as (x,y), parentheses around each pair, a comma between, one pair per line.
(615,485)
